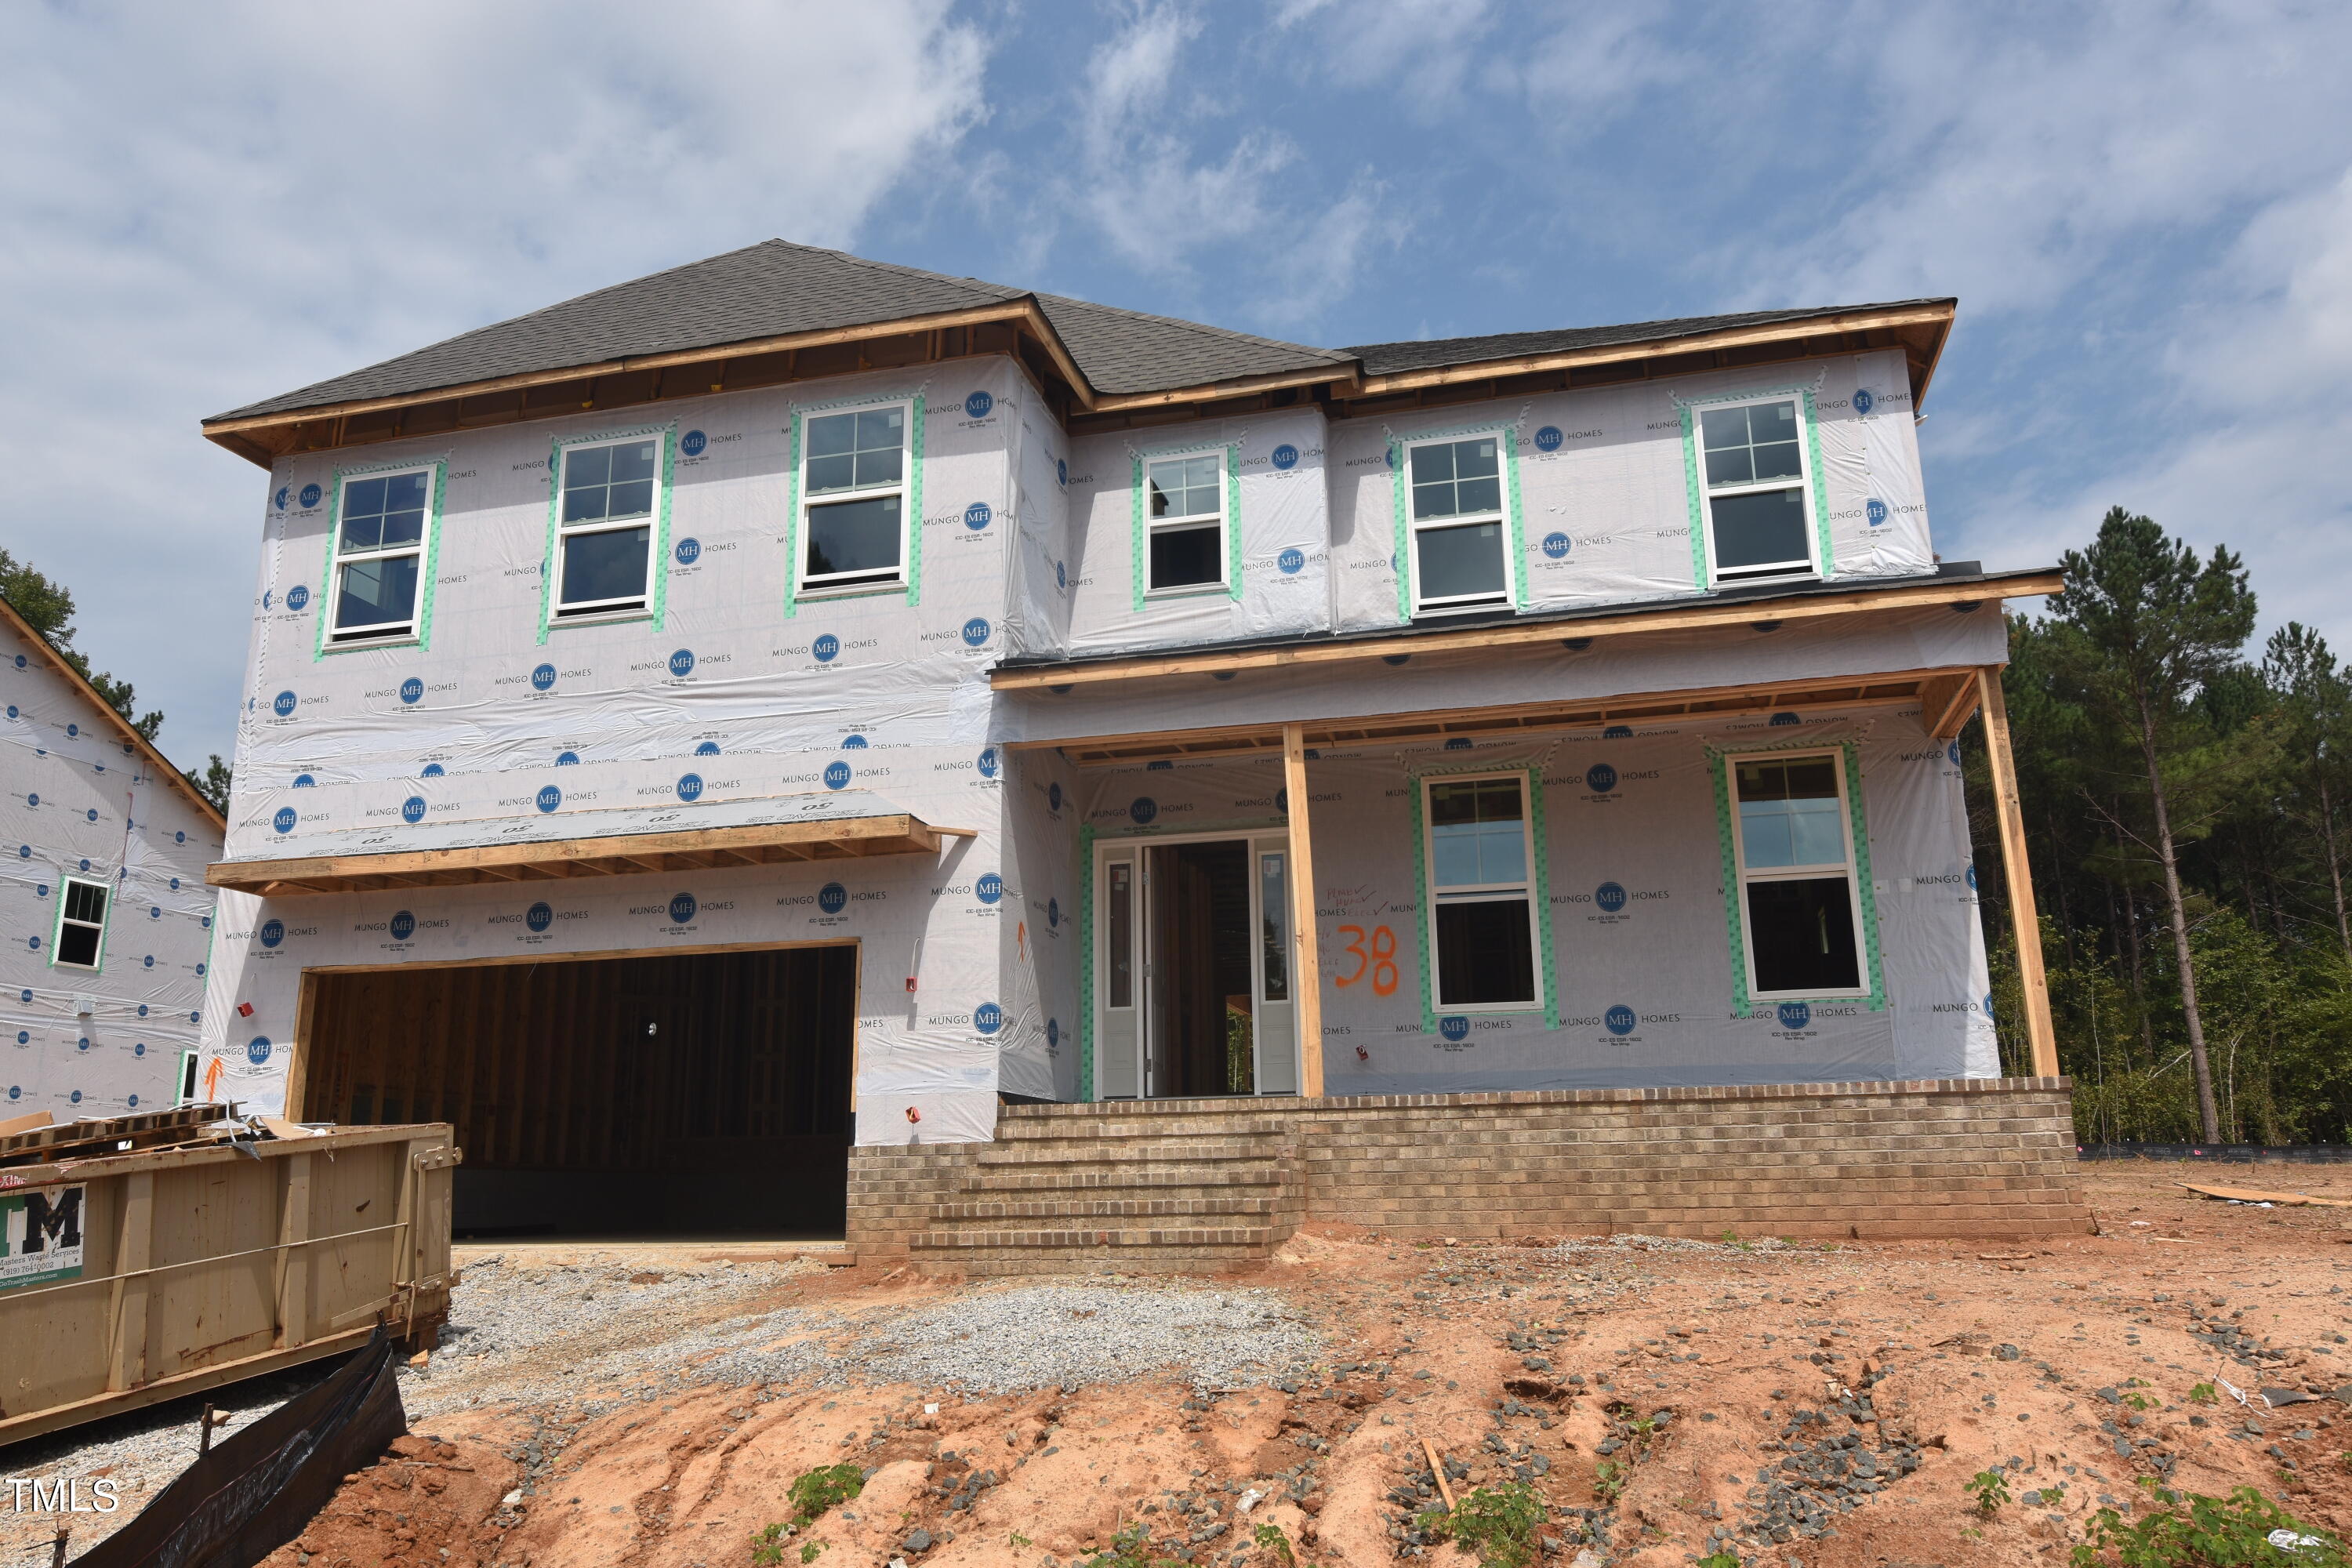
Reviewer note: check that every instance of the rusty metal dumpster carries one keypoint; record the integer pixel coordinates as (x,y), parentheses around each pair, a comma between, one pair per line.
(133,1274)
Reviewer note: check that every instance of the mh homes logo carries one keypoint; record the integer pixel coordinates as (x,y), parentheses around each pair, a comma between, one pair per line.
(1795,1014)
(689,786)
(826,648)
(987,762)
(283,822)
(977,516)
(988,1017)
(681,663)
(543,678)
(548,798)
(687,551)
(990,887)
(257,1049)
(282,704)
(297,598)
(976,632)
(681,909)
(1556,545)
(854,742)
(412,692)
(1285,456)
(1454,1029)
(538,917)
(833,898)
(692,443)
(1291,562)
(412,810)
(1618,1020)
(977,405)
(273,931)
(836,775)
(404,926)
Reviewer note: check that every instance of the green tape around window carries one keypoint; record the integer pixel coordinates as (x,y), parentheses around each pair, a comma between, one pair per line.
(1734,924)
(1422,914)
(547,563)
(1138,548)
(1401,561)
(1233,520)
(428,565)
(793,520)
(1742,1004)
(913,502)
(1697,503)
(1514,525)
(1864,887)
(1820,493)
(1541,867)
(1087,961)
(658,564)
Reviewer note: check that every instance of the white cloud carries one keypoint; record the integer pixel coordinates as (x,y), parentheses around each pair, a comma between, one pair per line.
(213,203)
(1176,205)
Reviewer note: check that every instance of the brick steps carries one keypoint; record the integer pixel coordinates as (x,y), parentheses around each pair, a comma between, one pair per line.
(1192,1191)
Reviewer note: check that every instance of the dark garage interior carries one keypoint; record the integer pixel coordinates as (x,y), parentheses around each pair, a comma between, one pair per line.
(662,1098)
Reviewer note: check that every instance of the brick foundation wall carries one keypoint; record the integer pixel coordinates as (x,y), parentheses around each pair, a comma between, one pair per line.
(1961,1158)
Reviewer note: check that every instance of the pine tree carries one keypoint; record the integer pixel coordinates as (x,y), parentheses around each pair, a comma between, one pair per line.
(2159,626)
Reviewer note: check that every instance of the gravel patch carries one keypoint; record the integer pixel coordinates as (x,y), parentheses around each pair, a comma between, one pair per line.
(1043,1335)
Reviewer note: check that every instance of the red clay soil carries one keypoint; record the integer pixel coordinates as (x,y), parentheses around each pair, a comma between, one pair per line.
(2072,1368)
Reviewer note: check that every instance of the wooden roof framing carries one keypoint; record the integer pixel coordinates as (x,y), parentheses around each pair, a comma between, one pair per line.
(1017,329)
(760,844)
(1021,330)
(1945,698)
(1964,594)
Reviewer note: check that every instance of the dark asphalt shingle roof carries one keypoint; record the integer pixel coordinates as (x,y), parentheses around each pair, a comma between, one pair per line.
(1429,353)
(777,288)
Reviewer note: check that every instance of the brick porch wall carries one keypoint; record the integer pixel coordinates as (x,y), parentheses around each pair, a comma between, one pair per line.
(1962,1158)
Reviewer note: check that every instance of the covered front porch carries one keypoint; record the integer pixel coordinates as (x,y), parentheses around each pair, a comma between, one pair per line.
(1765,879)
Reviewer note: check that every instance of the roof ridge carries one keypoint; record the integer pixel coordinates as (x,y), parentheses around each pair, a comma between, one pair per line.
(1785,313)
(1336,356)
(870,264)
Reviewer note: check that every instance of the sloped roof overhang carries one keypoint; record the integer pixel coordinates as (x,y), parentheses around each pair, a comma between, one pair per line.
(759,832)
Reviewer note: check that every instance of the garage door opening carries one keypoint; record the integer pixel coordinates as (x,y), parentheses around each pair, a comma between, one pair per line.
(663,1097)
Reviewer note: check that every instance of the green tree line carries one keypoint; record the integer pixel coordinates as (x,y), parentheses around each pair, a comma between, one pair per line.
(47,605)
(2188,805)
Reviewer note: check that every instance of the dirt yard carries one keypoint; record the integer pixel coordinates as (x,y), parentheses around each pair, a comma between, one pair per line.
(1812,1406)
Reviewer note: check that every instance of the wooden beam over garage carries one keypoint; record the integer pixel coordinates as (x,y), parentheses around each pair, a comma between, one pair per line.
(629,854)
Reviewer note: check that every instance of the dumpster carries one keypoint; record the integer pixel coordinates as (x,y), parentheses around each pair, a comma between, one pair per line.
(146,1258)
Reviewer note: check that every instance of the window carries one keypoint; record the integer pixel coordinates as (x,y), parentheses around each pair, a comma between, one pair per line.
(1120,923)
(1482,914)
(853,498)
(81,924)
(606,528)
(1460,555)
(187,1077)
(1273,927)
(379,554)
(1760,524)
(1187,526)
(1797,887)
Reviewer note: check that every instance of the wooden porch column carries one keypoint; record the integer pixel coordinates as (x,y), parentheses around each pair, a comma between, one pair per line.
(2025,921)
(1307,968)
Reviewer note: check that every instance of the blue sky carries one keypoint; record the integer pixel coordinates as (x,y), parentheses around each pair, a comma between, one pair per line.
(2145,208)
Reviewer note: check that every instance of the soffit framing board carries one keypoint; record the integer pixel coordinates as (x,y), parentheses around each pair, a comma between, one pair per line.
(1685,615)
(757,844)
(1902,687)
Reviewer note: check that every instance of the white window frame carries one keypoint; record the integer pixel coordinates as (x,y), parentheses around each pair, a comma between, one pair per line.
(388,631)
(1501,517)
(1484,892)
(625,608)
(104,923)
(1223,584)
(1847,868)
(1708,491)
(840,583)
